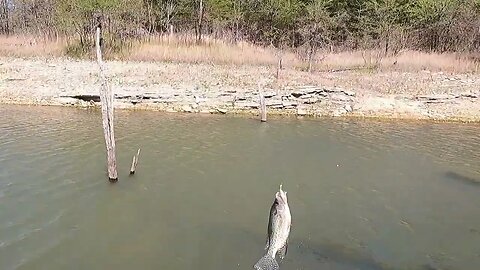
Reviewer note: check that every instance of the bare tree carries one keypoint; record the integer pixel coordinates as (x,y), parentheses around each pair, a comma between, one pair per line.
(315,29)
(168,9)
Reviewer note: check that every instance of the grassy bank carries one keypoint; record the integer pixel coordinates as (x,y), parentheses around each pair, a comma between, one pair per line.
(184,49)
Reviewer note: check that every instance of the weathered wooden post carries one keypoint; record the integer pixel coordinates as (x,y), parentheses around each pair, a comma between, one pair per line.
(106,99)
(279,67)
(263,108)
(134,162)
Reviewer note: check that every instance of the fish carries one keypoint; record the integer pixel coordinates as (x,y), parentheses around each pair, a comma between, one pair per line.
(279,224)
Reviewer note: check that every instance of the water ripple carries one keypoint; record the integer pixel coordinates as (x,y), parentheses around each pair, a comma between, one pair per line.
(397,190)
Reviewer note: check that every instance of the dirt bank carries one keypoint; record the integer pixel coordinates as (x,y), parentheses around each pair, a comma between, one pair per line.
(234,89)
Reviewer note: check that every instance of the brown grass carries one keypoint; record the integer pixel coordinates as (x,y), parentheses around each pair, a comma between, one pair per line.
(29,46)
(184,49)
(412,60)
(403,61)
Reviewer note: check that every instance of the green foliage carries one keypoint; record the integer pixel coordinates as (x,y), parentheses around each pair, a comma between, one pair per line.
(317,23)
(98,5)
(425,12)
(439,25)
(76,50)
(220,12)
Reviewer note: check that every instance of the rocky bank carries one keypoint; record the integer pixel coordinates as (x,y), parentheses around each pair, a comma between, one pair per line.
(204,88)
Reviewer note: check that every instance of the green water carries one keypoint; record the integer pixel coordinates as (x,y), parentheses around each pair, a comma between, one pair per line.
(363,194)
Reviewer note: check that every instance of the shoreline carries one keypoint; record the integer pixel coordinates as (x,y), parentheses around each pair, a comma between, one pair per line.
(217,89)
(277,114)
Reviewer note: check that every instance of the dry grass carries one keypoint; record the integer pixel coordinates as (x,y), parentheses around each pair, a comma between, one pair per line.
(184,49)
(404,61)
(412,60)
(28,46)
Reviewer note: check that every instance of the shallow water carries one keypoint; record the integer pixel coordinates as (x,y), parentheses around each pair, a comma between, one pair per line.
(363,194)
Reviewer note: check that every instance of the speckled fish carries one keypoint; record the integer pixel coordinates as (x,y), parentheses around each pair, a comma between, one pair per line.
(278,231)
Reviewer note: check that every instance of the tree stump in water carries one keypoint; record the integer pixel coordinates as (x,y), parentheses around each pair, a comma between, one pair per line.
(106,99)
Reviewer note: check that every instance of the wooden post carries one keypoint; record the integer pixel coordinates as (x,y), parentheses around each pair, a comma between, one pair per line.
(106,99)
(279,67)
(263,108)
(134,162)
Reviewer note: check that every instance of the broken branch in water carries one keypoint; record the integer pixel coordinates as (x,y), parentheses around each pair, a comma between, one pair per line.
(134,162)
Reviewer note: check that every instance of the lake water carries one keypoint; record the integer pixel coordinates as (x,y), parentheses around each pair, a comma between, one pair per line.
(363,194)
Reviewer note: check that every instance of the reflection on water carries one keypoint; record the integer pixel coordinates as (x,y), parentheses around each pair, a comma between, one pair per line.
(463,178)
(363,194)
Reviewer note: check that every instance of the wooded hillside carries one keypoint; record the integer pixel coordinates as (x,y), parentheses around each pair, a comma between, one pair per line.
(389,25)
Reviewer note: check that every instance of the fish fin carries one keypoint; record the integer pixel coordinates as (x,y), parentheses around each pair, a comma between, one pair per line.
(282,252)
(266,263)
(273,212)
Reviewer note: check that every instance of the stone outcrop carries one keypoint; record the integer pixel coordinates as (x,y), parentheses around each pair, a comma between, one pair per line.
(216,89)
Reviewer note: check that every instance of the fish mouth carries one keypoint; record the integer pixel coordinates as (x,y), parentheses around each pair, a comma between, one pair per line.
(281,195)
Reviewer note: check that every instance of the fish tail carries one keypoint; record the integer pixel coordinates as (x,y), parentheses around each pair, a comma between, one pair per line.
(267,263)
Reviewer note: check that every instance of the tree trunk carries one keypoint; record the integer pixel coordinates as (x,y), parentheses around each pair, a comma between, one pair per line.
(149,18)
(387,42)
(5,27)
(310,58)
(200,21)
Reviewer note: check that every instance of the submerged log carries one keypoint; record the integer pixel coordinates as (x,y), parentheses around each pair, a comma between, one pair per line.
(106,99)
(134,162)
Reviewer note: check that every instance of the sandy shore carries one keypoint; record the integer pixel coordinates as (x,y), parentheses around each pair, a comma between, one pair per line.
(206,88)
